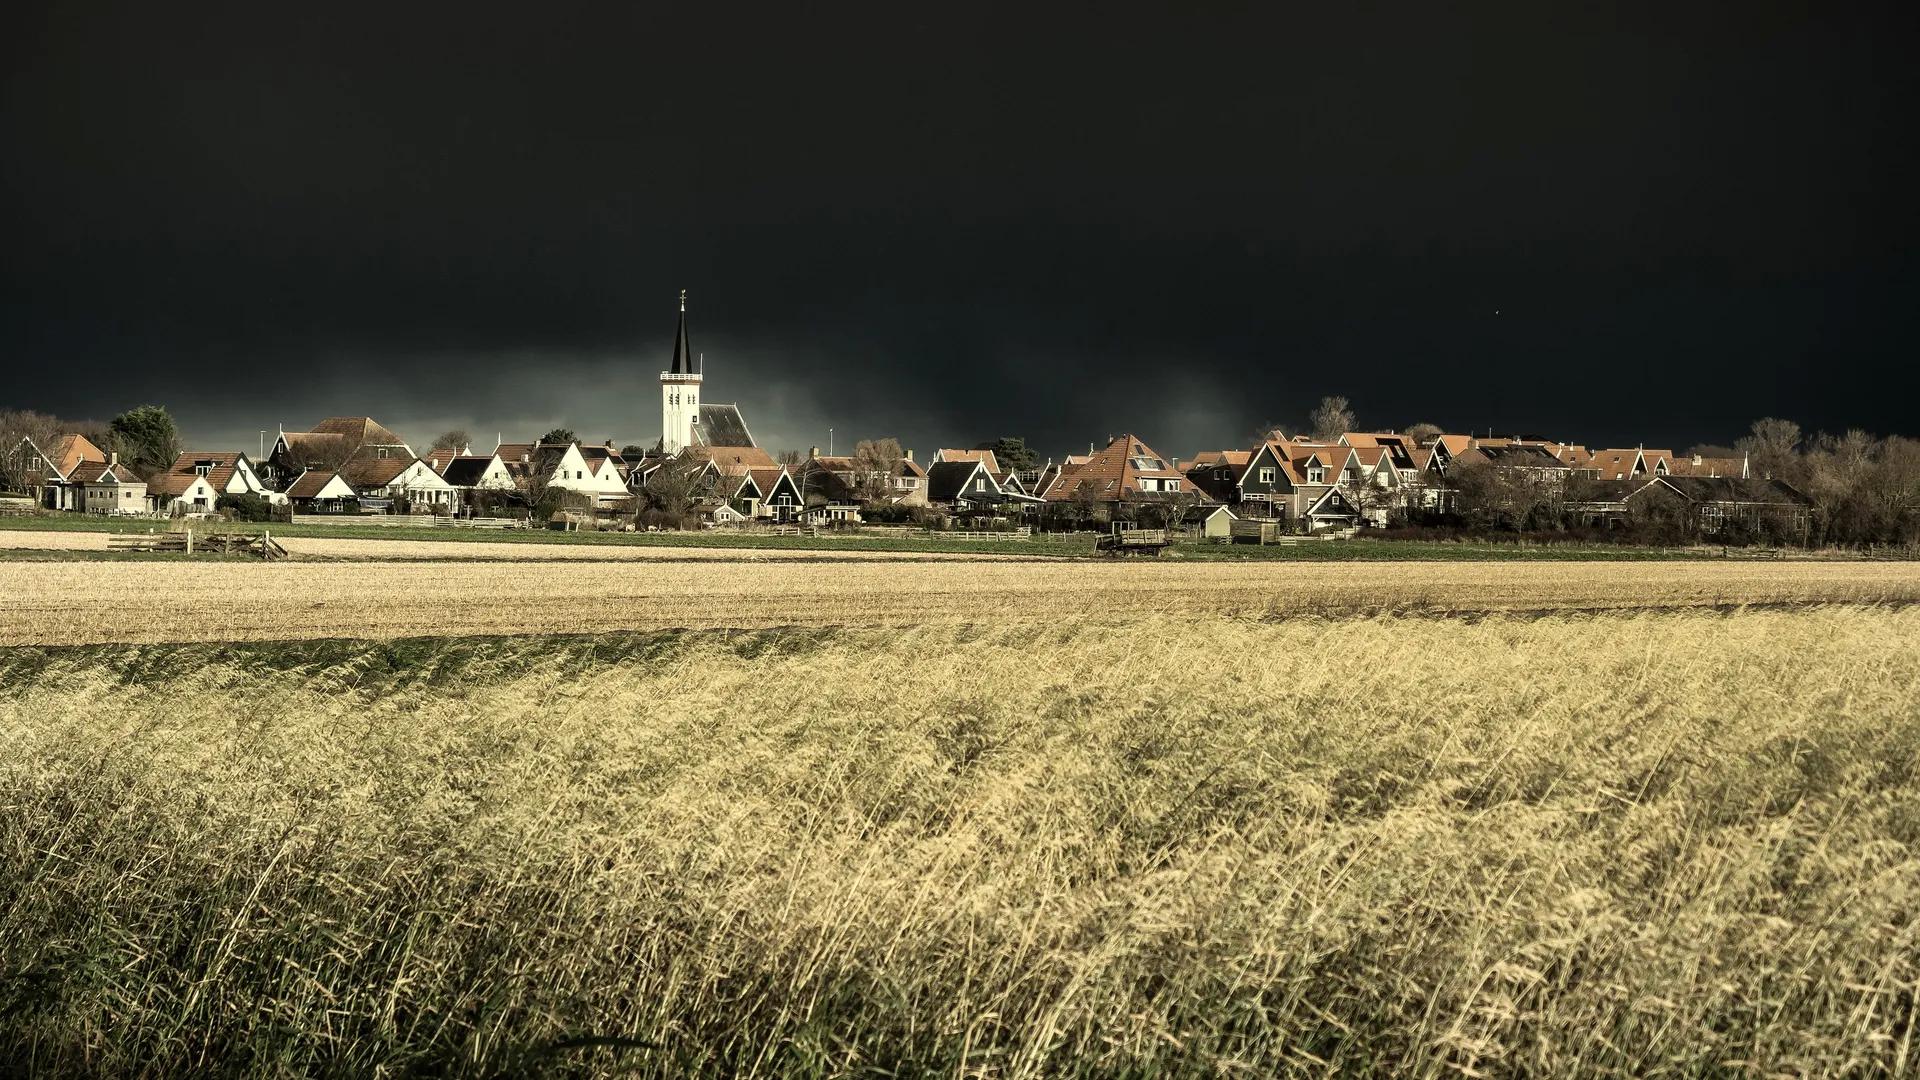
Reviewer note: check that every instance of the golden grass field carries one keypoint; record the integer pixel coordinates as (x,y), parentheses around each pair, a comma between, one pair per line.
(87,602)
(1109,843)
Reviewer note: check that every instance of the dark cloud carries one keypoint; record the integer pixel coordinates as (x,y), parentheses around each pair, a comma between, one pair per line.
(952,224)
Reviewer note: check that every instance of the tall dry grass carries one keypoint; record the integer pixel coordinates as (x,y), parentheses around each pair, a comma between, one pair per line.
(1657,844)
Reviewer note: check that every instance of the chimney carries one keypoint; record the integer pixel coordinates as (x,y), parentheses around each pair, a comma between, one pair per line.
(113,457)
(909,455)
(813,451)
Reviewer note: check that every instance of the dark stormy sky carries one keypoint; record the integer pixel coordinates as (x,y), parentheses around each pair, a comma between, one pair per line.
(951,222)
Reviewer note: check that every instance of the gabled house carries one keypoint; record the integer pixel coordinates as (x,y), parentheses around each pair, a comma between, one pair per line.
(1530,460)
(1717,505)
(1617,464)
(963,485)
(320,492)
(408,485)
(197,478)
(477,472)
(108,487)
(1696,465)
(1258,483)
(1126,470)
(330,445)
(598,473)
(49,470)
(1330,509)
(945,454)
(780,495)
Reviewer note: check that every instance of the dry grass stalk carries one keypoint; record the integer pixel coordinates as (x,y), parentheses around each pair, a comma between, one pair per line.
(1623,844)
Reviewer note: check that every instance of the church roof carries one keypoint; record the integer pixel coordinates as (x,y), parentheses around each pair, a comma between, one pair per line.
(722,425)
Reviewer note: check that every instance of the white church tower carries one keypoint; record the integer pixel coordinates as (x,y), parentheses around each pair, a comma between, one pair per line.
(679,392)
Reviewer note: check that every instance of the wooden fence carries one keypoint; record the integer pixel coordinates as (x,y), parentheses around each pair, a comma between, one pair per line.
(186,543)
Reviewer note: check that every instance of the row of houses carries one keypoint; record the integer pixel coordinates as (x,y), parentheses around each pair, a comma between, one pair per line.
(707,464)
(357,465)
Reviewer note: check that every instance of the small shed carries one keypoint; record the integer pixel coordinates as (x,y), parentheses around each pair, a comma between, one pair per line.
(1213,522)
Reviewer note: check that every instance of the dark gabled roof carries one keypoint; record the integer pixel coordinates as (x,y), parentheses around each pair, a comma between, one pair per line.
(371,472)
(1518,455)
(467,471)
(947,480)
(361,430)
(1732,489)
(722,425)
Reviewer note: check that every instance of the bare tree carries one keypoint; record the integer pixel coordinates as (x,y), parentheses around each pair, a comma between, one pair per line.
(1424,433)
(455,439)
(788,457)
(1331,418)
(322,451)
(875,461)
(1773,449)
(676,487)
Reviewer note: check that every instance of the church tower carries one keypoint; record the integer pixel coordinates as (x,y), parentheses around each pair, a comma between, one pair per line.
(679,392)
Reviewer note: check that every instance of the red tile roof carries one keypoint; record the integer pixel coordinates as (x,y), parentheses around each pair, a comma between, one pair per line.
(180,475)
(68,451)
(993,464)
(1115,472)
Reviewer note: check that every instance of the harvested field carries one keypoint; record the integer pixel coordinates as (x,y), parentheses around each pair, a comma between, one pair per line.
(74,603)
(1628,844)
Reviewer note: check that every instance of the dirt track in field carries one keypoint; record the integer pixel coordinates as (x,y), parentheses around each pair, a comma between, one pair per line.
(95,602)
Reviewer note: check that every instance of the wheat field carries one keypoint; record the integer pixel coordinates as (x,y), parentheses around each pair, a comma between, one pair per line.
(97,602)
(1613,844)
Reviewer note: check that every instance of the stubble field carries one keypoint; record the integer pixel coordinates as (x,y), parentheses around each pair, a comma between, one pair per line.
(1011,820)
(92,602)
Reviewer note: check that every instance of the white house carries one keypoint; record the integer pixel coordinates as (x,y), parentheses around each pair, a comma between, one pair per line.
(109,488)
(197,478)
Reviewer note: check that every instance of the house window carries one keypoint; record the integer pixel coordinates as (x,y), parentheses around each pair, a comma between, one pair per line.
(1266,475)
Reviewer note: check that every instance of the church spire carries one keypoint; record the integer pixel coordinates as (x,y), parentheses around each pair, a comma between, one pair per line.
(682,354)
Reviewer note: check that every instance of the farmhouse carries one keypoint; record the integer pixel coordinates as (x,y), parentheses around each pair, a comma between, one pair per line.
(1125,470)
(1719,505)
(197,478)
(49,471)
(108,487)
(318,491)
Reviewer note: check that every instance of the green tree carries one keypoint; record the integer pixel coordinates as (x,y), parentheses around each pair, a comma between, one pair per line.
(1013,453)
(145,438)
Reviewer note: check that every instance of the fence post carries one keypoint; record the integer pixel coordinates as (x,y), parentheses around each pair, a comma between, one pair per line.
(189,539)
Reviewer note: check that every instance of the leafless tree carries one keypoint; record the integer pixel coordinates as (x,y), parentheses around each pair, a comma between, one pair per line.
(875,461)
(455,439)
(1773,449)
(1423,433)
(322,452)
(1333,416)
(676,487)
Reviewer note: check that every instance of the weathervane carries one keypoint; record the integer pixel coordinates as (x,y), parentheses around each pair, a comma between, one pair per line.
(683,299)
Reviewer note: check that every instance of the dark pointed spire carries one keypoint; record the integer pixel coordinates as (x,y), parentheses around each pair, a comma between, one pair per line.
(682,354)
